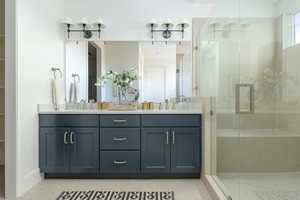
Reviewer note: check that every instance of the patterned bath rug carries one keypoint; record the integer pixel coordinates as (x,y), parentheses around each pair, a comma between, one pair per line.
(112,195)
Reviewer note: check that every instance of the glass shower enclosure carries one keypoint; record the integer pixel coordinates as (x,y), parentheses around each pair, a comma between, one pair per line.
(247,57)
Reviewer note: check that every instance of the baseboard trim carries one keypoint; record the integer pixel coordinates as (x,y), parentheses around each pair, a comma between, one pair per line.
(213,188)
(30,180)
(121,176)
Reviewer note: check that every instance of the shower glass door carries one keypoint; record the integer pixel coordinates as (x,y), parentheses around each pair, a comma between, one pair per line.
(217,61)
(250,59)
(269,136)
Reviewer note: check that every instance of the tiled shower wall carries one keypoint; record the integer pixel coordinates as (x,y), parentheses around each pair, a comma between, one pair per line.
(288,104)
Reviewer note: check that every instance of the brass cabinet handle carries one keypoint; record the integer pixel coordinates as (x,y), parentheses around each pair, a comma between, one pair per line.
(119,162)
(119,139)
(72,138)
(173,137)
(119,121)
(65,137)
(167,135)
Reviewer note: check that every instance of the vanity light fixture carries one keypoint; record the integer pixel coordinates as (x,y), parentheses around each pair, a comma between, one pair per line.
(85,27)
(183,25)
(167,30)
(100,24)
(152,24)
(69,23)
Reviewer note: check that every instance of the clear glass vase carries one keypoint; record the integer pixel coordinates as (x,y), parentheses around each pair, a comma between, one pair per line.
(122,100)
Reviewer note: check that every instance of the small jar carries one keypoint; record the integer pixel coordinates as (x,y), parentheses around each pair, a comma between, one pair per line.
(145,106)
(102,105)
(151,106)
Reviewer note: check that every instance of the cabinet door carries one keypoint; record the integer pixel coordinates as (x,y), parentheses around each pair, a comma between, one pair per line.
(53,150)
(155,150)
(185,150)
(84,150)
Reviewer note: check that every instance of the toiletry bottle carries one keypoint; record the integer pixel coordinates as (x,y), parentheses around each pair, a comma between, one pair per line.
(167,104)
(160,106)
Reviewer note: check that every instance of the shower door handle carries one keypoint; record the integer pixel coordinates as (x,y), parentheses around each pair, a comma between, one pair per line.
(250,108)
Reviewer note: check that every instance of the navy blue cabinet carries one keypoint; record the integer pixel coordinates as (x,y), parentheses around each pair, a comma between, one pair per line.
(67,150)
(171,144)
(175,150)
(185,150)
(54,152)
(120,121)
(84,150)
(155,150)
(120,139)
(118,162)
(69,120)
(132,145)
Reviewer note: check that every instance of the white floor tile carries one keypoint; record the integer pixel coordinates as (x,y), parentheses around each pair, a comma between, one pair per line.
(185,189)
(262,186)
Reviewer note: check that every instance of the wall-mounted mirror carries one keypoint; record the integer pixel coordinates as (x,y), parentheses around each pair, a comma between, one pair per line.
(164,70)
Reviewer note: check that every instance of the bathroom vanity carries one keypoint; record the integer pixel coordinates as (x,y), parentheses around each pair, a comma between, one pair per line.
(85,142)
(123,144)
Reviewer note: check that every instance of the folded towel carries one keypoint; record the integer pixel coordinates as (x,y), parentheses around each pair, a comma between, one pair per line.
(74,92)
(58,91)
(71,93)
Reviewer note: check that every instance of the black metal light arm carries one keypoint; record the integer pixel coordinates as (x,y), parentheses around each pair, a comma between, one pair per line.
(167,32)
(86,32)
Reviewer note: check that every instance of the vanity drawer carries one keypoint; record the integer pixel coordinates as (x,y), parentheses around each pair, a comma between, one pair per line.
(120,162)
(171,120)
(120,121)
(69,120)
(120,138)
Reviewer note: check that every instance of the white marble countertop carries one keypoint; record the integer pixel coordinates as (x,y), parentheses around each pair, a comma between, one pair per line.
(190,108)
(75,112)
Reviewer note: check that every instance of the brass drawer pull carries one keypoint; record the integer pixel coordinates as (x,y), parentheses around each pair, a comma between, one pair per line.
(120,139)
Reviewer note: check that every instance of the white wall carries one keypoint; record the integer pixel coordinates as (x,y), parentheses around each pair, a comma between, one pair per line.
(126,19)
(39,47)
